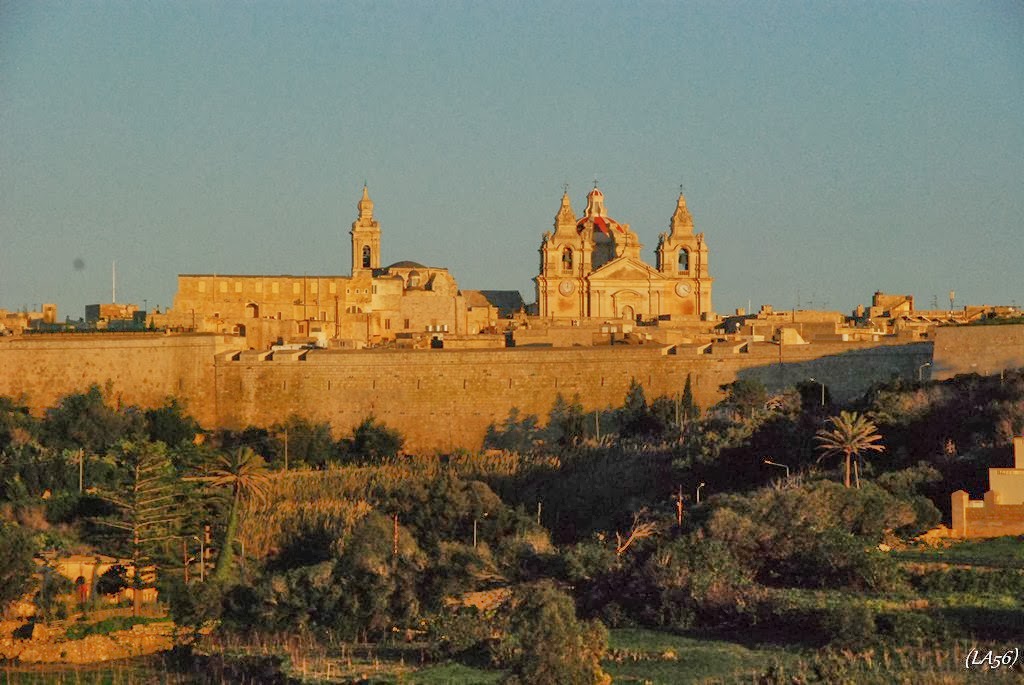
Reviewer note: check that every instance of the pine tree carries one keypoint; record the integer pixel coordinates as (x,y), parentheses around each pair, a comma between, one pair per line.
(147,506)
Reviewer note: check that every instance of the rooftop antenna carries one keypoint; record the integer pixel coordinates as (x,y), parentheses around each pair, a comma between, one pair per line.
(952,297)
(113,282)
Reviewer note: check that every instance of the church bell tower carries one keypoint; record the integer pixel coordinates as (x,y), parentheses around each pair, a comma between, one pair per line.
(365,237)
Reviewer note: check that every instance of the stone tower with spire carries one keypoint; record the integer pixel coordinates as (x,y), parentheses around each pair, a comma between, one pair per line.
(683,256)
(565,256)
(365,237)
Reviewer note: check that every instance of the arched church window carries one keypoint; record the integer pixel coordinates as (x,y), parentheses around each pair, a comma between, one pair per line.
(567,260)
(684,260)
(366,256)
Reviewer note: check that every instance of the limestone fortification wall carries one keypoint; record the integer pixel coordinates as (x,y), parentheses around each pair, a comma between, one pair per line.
(438,399)
(977,349)
(441,399)
(142,369)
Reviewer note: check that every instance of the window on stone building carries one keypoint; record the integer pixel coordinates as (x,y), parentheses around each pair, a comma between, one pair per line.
(374,290)
(314,286)
(684,260)
(334,288)
(387,324)
(223,286)
(296,288)
(407,323)
(259,286)
(238,286)
(275,287)
(202,286)
(366,256)
(567,260)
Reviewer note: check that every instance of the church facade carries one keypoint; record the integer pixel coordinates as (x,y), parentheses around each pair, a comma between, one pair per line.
(591,268)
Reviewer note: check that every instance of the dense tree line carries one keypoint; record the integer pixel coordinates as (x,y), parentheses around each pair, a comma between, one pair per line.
(600,522)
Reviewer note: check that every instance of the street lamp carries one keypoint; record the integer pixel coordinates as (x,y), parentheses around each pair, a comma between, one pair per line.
(813,380)
(698,491)
(920,369)
(475,520)
(772,463)
(202,558)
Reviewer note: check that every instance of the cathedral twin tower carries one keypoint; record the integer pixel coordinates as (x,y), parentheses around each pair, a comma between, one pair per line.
(591,268)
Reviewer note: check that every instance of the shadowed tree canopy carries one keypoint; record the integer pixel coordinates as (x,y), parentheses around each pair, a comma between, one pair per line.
(84,420)
(374,440)
(16,567)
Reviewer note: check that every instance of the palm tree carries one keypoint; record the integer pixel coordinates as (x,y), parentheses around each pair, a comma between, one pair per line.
(244,473)
(851,434)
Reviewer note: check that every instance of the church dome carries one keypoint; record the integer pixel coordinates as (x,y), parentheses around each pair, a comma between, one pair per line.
(405,264)
(595,216)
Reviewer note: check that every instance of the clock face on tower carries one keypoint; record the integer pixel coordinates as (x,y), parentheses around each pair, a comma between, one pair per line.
(683,289)
(566,287)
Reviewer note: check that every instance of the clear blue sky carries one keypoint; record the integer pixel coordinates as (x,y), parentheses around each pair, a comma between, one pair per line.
(830,148)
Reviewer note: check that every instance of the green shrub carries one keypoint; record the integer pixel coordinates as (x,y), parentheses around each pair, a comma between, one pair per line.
(16,550)
(62,507)
(971,580)
(910,627)
(547,645)
(459,632)
(108,625)
(849,625)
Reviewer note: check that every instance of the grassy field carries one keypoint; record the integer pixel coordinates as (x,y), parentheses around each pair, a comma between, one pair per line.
(647,656)
(1006,552)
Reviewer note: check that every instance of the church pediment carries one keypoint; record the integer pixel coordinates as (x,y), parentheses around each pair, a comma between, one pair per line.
(625,269)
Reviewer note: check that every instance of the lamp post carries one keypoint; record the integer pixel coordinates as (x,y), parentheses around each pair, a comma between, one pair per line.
(475,520)
(772,463)
(202,558)
(814,380)
(698,491)
(920,369)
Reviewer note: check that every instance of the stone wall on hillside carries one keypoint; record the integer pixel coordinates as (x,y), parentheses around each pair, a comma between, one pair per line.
(977,349)
(132,368)
(439,399)
(985,518)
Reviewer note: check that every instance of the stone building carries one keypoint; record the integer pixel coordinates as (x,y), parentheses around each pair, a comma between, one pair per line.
(591,268)
(1001,512)
(373,305)
(17,322)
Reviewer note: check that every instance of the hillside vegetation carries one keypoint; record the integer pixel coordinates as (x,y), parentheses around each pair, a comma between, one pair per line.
(658,520)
